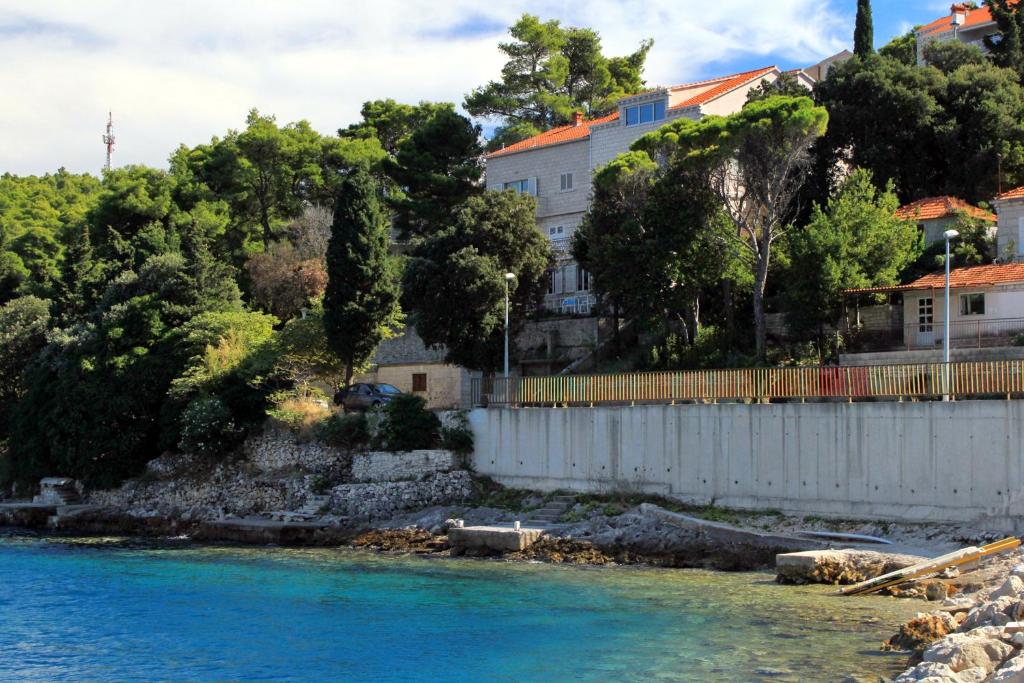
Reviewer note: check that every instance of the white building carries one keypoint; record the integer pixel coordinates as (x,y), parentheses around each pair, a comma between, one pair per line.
(556,166)
(967,25)
(1010,236)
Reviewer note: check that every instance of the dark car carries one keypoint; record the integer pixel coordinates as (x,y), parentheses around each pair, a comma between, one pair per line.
(365,396)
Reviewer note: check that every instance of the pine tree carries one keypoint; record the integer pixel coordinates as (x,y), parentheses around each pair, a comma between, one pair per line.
(864,33)
(81,278)
(361,301)
(1007,46)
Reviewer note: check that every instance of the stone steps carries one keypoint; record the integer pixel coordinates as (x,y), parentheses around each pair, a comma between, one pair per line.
(551,512)
(314,504)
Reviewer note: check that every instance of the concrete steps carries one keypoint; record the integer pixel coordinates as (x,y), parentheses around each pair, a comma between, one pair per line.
(551,512)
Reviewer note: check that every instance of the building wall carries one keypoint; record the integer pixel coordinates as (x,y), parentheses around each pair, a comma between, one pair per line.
(612,139)
(1001,303)
(1008,239)
(972,36)
(547,164)
(447,385)
(956,461)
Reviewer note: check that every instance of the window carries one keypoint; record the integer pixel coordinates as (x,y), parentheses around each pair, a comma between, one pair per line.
(566,182)
(1020,235)
(582,280)
(972,304)
(557,230)
(645,113)
(925,315)
(419,381)
(518,185)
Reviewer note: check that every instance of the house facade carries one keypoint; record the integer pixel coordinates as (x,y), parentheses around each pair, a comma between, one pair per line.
(986,318)
(1010,235)
(557,166)
(410,365)
(935,215)
(963,23)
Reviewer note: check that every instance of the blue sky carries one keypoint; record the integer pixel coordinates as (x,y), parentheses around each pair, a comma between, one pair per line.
(184,71)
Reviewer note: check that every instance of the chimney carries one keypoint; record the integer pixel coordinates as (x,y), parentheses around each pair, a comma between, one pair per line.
(577,118)
(959,12)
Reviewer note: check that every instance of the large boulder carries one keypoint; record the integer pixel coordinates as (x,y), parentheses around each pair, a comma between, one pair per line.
(980,649)
(1013,587)
(929,672)
(1010,672)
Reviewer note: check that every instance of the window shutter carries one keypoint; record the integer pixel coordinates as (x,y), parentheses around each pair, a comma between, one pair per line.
(531,186)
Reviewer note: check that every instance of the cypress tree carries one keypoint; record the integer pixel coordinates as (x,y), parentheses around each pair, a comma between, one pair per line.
(864,33)
(361,300)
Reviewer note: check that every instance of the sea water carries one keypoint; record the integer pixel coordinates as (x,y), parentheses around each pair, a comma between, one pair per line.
(115,610)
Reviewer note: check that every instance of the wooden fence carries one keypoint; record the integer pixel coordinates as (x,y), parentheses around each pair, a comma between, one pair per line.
(993,379)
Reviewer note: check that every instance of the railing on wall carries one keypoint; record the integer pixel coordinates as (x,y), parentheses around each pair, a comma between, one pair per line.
(994,379)
(963,334)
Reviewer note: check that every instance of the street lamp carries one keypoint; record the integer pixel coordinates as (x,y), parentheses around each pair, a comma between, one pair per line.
(949,235)
(509,277)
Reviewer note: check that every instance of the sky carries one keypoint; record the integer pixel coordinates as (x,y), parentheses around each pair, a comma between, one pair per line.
(184,71)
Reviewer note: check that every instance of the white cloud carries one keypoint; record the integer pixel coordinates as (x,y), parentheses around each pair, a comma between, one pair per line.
(188,70)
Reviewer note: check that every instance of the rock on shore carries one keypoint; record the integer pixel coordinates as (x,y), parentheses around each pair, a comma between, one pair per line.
(978,648)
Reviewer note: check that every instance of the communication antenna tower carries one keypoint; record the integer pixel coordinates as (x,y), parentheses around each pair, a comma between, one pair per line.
(108,139)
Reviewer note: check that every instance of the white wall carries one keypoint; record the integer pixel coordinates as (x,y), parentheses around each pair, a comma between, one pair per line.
(958,461)
(1001,303)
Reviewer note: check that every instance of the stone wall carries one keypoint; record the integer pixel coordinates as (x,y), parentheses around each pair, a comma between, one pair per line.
(918,462)
(382,500)
(377,466)
(275,450)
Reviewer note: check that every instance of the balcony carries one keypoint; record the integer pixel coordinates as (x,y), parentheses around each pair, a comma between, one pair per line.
(572,303)
(963,334)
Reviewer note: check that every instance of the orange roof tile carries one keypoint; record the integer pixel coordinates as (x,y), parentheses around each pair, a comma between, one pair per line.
(721,86)
(712,88)
(932,208)
(555,136)
(975,17)
(1015,193)
(959,278)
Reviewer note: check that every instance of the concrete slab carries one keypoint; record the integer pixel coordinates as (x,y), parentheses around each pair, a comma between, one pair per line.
(838,565)
(500,538)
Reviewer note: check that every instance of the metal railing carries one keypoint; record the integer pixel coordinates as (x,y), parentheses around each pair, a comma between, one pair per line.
(993,379)
(963,334)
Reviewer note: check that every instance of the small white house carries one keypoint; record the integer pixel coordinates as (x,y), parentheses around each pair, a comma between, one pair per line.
(1010,240)
(935,215)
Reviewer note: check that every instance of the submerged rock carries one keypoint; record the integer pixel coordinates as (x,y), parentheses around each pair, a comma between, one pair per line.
(404,540)
(563,550)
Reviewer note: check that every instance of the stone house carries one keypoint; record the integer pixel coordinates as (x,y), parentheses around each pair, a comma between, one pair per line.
(557,166)
(410,365)
(970,26)
(934,215)
(1010,235)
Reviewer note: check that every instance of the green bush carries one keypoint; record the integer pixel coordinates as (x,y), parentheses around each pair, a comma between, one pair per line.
(349,431)
(1018,340)
(457,436)
(408,425)
(207,428)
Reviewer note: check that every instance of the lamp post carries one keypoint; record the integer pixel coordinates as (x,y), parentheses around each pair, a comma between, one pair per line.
(949,235)
(508,278)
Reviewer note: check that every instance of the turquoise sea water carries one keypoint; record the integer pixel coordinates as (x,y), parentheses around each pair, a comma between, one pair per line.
(118,611)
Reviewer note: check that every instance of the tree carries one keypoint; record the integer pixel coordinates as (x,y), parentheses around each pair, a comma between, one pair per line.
(391,123)
(975,246)
(283,282)
(652,241)
(438,167)
(24,323)
(550,73)
(932,133)
(361,301)
(1007,46)
(454,284)
(949,55)
(754,163)
(864,32)
(902,49)
(855,241)
(786,84)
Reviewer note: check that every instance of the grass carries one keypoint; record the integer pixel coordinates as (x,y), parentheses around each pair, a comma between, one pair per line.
(489,493)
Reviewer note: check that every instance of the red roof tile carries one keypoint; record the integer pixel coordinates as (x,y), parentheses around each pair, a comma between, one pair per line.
(555,136)
(571,132)
(721,86)
(959,278)
(940,207)
(975,17)
(1015,193)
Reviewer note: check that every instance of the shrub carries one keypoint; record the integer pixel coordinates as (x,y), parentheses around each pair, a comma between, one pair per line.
(207,428)
(348,431)
(408,425)
(299,413)
(1018,339)
(457,436)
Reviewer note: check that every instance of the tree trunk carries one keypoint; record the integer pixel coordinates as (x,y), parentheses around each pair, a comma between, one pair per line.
(730,319)
(760,323)
(615,330)
(348,374)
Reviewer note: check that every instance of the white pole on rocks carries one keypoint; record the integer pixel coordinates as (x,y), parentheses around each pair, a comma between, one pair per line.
(949,235)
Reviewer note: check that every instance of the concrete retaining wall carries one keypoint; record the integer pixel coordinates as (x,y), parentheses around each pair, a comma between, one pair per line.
(958,461)
(410,466)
